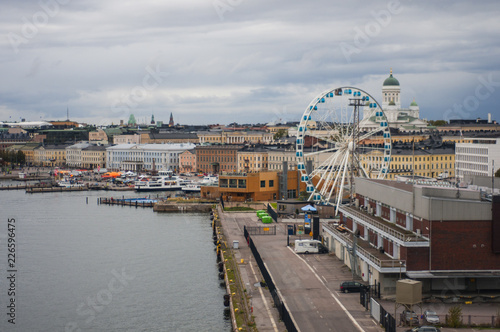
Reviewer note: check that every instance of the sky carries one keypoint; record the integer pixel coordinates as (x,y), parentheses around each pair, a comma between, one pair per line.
(244,61)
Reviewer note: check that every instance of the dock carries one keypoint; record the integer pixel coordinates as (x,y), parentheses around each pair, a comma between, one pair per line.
(134,202)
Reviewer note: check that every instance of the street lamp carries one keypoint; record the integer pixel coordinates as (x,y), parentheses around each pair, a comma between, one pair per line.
(400,267)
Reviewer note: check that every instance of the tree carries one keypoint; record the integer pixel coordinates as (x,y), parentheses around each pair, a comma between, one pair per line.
(497,173)
(21,158)
(438,123)
(279,134)
(455,319)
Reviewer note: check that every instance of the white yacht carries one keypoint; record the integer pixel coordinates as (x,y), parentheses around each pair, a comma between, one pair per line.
(165,180)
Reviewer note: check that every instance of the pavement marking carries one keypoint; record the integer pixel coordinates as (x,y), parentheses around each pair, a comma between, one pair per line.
(333,295)
(324,278)
(264,300)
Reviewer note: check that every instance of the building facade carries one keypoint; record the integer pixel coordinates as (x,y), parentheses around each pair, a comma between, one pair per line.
(480,157)
(187,162)
(145,157)
(74,154)
(50,155)
(217,158)
(94,156)
(425,233)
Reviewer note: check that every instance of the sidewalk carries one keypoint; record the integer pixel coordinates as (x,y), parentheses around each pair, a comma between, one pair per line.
(266,316)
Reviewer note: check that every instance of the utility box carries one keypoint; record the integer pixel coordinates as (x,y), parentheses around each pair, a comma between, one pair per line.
(236,244)
(408,291)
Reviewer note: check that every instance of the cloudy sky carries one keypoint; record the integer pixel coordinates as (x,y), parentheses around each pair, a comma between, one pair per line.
(246,61)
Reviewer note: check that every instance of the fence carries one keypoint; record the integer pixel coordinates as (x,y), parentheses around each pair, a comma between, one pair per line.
(280,305)
(272,213)
(382,317)
(261,230)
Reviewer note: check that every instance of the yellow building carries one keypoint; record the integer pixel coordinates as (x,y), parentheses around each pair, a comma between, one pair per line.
(427,163)
(260,186)
(50,155)
(94,156)
(252,159)
(235,137)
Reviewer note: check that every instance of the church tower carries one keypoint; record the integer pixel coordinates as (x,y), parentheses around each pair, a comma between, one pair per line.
(171,122)
(390,93)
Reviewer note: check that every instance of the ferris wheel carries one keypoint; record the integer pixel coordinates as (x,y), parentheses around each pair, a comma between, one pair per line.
(332,147)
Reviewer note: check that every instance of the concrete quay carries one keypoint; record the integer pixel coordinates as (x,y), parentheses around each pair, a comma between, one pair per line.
(308,284)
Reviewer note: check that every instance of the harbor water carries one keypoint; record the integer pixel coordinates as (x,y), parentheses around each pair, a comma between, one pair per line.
(86,267)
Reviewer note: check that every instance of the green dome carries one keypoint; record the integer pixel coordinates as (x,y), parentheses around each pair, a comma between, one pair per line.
(413,103)
(391,81)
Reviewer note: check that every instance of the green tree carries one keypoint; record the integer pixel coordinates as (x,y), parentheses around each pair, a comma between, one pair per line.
(279,134)
(438,123)
(21,158)
(455,316)
(497,173)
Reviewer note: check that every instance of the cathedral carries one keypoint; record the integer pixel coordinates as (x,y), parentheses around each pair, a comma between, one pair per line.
(397,117)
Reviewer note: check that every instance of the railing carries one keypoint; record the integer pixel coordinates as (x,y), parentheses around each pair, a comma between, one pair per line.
(272,213)
(366,218)
(261,230)
(280,305)
(386,263)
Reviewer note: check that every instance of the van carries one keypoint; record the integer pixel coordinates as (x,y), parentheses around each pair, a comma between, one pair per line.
(310,246)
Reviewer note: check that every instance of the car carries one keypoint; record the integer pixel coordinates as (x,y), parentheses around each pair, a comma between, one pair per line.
(350,286)
(431,317)
(424,329)
(410,317)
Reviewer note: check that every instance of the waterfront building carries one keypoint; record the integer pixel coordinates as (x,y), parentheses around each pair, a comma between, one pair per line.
(445,237)
(94,156)
(258,186)
(252,159)
(480,157)
(50,155)
(74,154)
(216,158)
(187,161)
(138,157)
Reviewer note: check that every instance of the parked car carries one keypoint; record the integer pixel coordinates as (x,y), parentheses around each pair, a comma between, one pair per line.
(350,287)
(424,329)
(410,317)
(431,317)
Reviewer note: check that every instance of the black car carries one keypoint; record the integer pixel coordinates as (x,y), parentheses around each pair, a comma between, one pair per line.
(350,287)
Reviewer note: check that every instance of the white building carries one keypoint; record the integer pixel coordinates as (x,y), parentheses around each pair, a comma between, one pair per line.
(481,157)
(74,154)
(136,157)
(397,117)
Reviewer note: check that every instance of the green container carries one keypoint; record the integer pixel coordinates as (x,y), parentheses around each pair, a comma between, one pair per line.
(267,220)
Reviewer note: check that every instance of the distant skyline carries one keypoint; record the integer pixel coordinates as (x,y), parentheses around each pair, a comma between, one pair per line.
(224,61)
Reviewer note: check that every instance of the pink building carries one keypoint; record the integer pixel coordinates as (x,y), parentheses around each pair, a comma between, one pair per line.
(187,161)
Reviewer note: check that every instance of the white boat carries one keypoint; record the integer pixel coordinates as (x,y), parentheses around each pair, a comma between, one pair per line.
(210,180)
(192,187)
(68,183)
(165,180)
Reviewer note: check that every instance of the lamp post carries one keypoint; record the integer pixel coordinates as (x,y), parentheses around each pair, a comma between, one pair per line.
(400,267)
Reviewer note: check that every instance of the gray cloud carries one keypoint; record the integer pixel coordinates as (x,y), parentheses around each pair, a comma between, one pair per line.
(250,63)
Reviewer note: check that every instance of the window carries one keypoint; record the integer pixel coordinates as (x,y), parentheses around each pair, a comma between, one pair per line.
(271,183)
(263,184)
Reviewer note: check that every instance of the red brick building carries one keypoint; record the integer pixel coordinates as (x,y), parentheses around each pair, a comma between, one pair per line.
(445,237)
(212,159)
